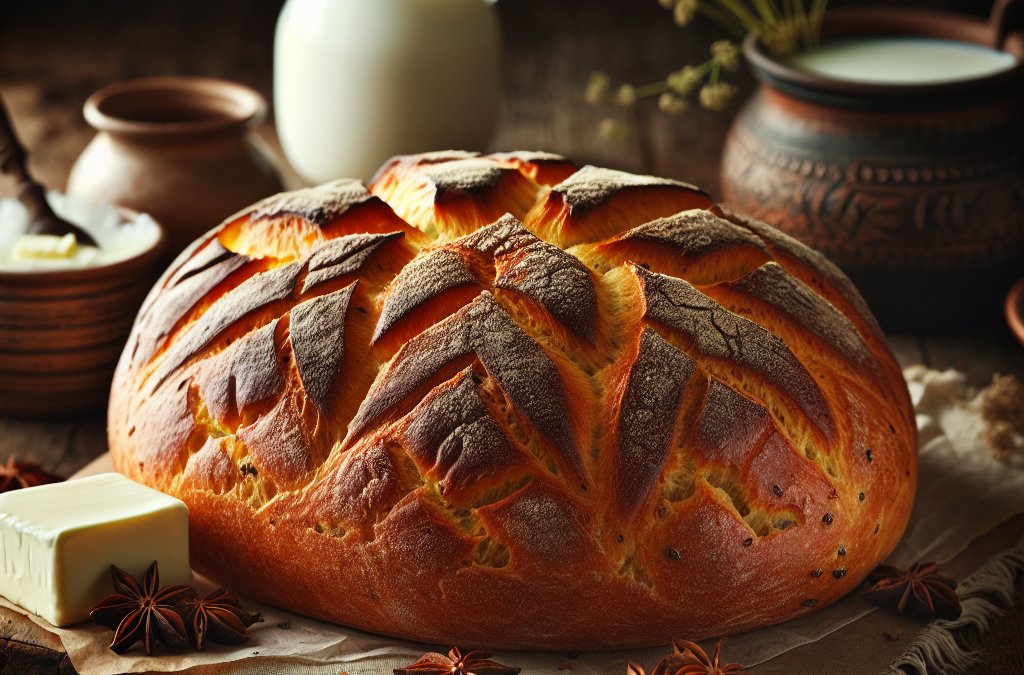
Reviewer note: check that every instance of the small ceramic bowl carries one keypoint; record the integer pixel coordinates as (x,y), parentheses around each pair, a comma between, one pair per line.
(1015,310)
(62,332)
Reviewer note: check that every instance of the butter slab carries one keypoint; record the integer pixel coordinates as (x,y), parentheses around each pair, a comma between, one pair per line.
(57,542)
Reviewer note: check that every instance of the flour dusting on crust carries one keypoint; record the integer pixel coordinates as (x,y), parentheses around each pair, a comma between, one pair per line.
(591,186)
(319,205)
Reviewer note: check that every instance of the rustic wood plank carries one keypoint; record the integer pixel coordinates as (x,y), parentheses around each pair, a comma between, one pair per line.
(61,447)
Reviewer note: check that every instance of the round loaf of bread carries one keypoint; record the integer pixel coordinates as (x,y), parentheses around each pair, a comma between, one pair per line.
(499,401)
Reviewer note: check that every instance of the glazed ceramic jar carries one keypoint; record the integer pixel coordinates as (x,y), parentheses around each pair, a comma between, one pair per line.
(357,81)
(915,191)
(178,148)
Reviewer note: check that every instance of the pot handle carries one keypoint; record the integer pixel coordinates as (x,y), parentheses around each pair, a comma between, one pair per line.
(1006,17)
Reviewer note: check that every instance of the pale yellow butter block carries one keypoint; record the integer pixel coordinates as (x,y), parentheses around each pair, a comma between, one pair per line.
(57,542)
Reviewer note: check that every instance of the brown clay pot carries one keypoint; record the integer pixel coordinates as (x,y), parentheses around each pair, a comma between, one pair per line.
(178,148)
(916,192)
(61,333)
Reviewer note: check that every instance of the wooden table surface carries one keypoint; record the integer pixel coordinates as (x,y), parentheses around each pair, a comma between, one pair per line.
(54,54)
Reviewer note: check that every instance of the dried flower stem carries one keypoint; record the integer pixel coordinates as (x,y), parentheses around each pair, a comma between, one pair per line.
(782,29)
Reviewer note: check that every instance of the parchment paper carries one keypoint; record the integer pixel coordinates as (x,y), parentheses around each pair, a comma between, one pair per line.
(963,492)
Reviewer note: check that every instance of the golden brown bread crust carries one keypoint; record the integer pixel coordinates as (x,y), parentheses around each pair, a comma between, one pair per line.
(498,401)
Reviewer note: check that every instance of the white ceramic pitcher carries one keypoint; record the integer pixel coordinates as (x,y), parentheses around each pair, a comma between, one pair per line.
(357,81)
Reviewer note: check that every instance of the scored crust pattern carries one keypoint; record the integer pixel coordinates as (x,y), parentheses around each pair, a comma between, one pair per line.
(497,400)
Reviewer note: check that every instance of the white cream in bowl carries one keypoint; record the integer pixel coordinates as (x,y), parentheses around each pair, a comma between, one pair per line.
(118,238)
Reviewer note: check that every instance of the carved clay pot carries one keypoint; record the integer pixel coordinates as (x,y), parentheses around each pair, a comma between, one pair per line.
(178,148)
(916,192)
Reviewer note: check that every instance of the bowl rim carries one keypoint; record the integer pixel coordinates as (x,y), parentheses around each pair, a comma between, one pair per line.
(238,107)
(882,21)
(117,268)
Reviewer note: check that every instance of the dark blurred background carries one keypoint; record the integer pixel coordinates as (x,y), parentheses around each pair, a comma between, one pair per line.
(54,53)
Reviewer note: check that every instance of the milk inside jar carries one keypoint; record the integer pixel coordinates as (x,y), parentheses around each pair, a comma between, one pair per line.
(901,60)
(358,81)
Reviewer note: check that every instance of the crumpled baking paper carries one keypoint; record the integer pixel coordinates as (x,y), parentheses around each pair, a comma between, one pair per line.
(963,492)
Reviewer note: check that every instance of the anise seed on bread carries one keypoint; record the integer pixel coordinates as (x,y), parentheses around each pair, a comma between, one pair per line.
(496,400)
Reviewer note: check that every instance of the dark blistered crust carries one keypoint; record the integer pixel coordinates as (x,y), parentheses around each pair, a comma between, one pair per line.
(415,363)
(436,157)
(544,167)
(318,341)
(540,271)
(526,374)
(318,205)
(696,232)
(255,292)
(344,255)
(521,367)
(558,281)
(245,373)
(190,284)
(673,460)
(522,263)
(499,238)
(777,288)
(453,437)
(424,278)
(592,186)
(731,426)
(465,176)
(648,415)
(720,334)
(396,164)
(205,258)
(528,156)
(809,258)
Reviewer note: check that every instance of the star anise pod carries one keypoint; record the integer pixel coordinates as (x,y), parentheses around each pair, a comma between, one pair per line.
(689,659)
(217,618)
(918,591)
(16,475)
(147,612)
(473,663)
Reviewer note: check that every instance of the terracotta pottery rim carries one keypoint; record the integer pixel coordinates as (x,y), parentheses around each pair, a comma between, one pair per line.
(174,108)
(1015,310)
(886,21)
(113,269)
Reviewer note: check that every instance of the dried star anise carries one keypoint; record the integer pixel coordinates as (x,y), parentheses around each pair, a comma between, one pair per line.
(217,618)
(16,475)
(918,591)
(689,659)
(473,663)
(148,613)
